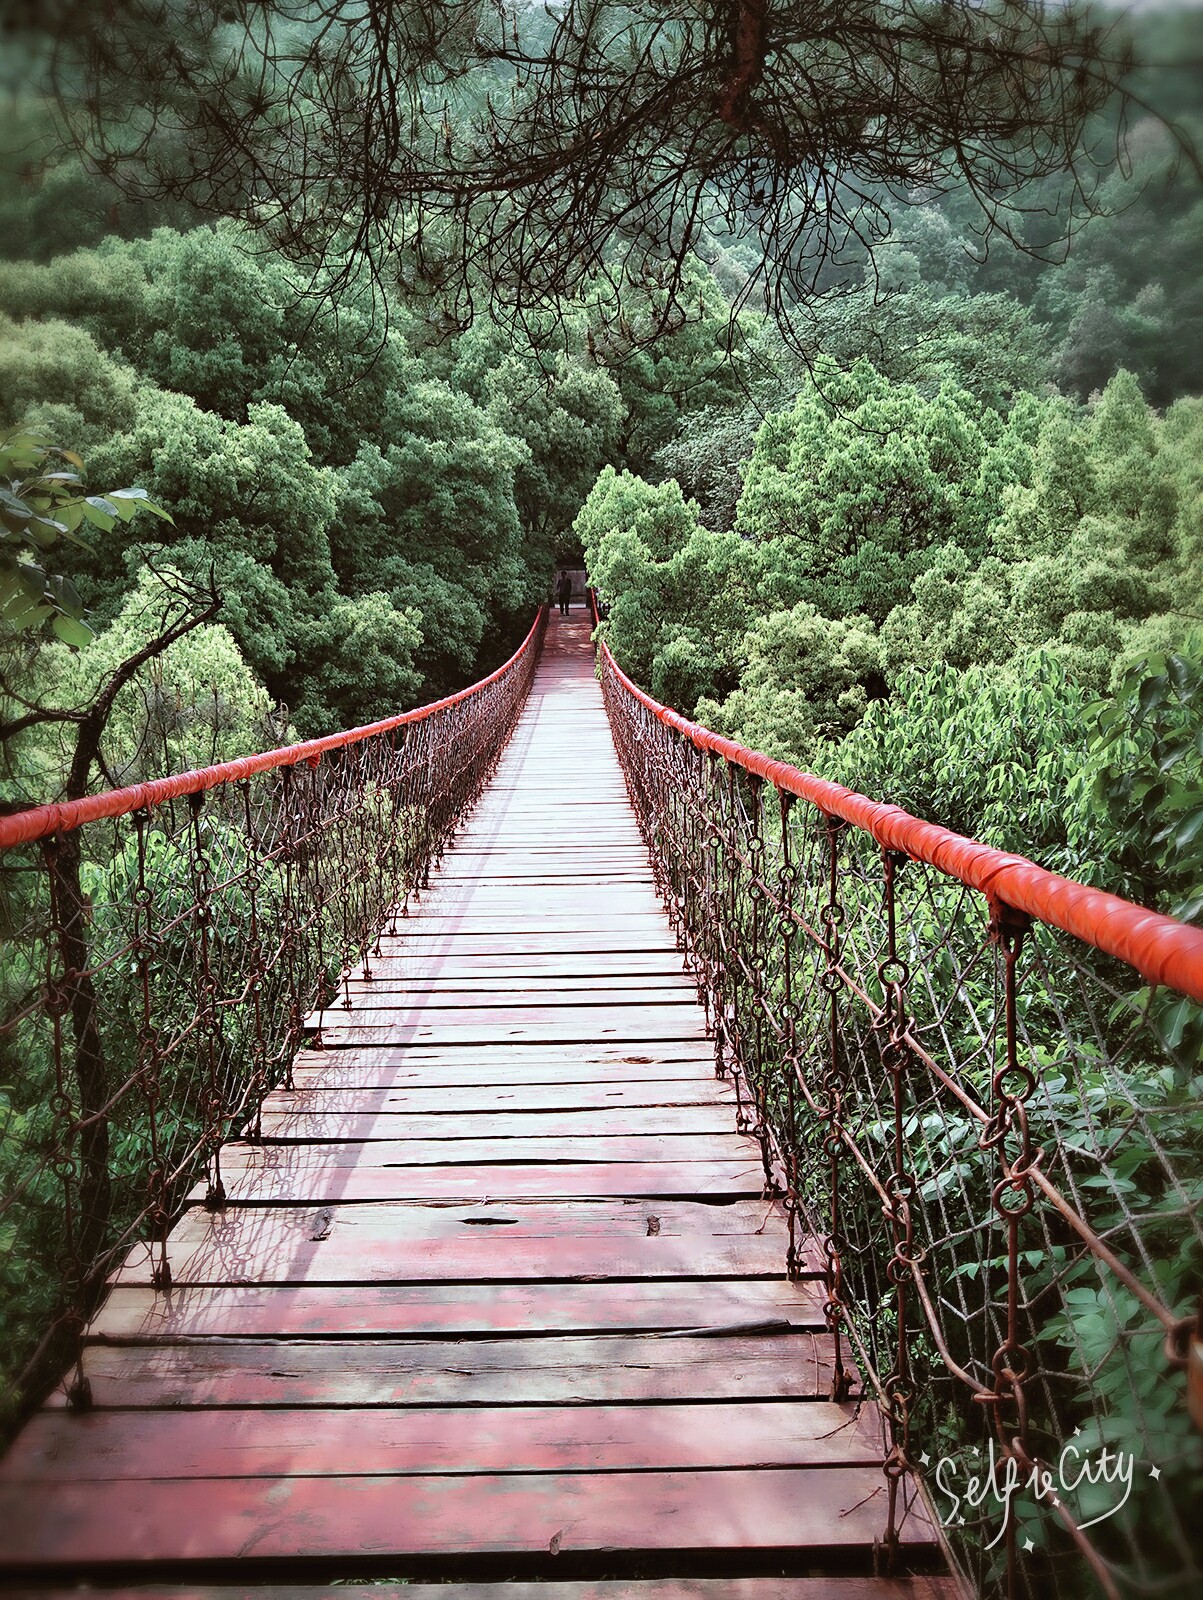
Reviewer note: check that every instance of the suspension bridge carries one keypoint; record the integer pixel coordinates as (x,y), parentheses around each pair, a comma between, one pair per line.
(489,1282)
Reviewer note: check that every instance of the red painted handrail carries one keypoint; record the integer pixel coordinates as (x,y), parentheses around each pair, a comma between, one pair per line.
(23,827)
(1160,948)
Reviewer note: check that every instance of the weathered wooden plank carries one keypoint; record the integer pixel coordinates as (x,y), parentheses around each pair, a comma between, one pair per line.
(58,1448)
(472,855)
(262,1255)
(484,940)
(551,1027)
(137,1315)
(599,1055)
(253,1519)
(515,881)
(610,843)
(503,975)
(526,906)
(638,988)
(672,1217)
(548,959)
(318,1185)
(531,1150)
(427,923)
(489,895)
(601,838)
(648,1369)
(486,1024)
(452,1101)
(513,1125)
(545,870)
(524,841)
(376,998)
(466,1069)
(576,1029)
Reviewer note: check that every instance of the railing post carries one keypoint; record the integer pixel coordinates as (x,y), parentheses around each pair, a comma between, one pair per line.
(787,883)
(1013,1197)
(835,1080)
(711,942)
(290,921)
(73,993)
(727,954)
(207,1021)
(893,974)
(150,1061)
(753,1056)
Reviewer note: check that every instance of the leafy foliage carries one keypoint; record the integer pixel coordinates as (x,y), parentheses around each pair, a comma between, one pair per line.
(1144,776)
(500,157)
(42,501)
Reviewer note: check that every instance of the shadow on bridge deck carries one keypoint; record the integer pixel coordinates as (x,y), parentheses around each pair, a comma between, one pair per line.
(496,1299)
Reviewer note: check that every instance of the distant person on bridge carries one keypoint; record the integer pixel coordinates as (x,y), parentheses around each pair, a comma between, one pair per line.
(564,593)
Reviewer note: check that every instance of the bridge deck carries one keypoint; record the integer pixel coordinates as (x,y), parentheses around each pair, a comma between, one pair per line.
(497,1297)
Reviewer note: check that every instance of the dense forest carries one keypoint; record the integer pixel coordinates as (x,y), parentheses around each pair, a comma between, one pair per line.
(922,512)
(963,468)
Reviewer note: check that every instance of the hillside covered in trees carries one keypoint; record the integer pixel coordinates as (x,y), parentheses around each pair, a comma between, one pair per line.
(855,350)
(953,462)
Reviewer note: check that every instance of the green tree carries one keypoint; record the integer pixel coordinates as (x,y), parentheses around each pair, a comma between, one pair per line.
(808,677)
(56,380)
(359,656)
(672,352)
(194,703)
(43,504)
(681,598)
(249,506)
(431,520)
(853,487)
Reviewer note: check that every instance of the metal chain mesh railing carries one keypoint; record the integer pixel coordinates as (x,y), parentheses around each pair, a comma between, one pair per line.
(994,1158)
(164,946)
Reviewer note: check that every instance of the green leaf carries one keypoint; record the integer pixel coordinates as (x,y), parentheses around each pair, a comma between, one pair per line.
(98,517)
(44,531)
(72,631)
(1188,909)
(32,443)
(20,615)
(1173,754)
(1152,695)
(14,511)
(1188,830)
(71,514)
(129,500)
(66,596)
(1172,1023)
(32,580)
(125,507)
(1184,676)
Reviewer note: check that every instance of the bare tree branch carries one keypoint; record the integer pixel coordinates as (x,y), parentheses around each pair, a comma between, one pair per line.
(511,153)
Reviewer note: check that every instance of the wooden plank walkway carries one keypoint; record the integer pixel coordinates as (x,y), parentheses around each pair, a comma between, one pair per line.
(497,1299)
